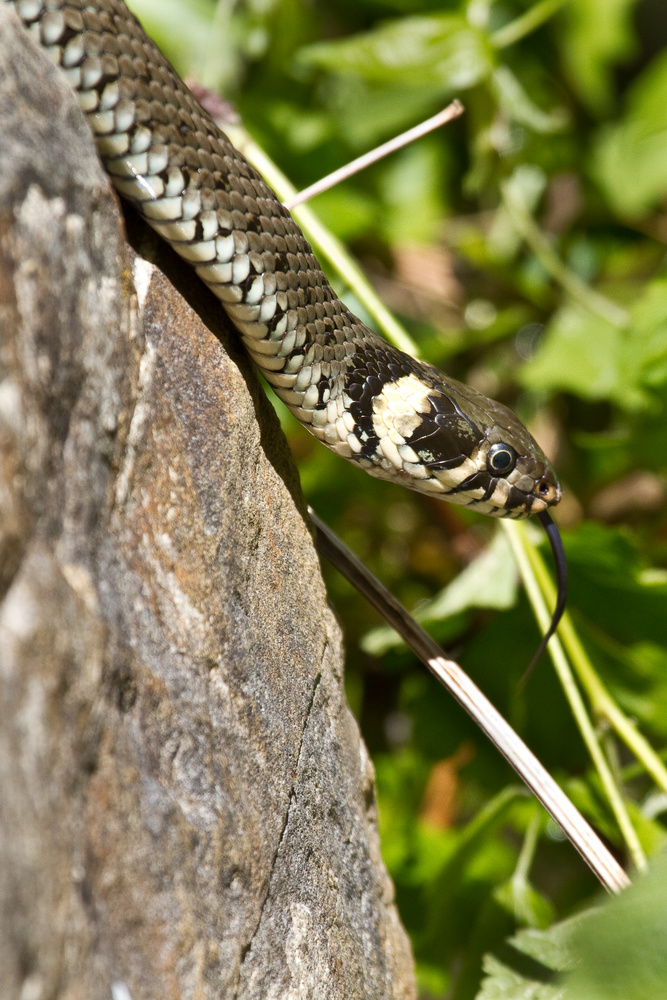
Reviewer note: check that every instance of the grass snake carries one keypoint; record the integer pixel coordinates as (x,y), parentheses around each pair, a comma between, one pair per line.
(398,418)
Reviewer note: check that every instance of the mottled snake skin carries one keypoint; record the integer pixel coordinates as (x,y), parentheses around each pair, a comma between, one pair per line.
(396,417)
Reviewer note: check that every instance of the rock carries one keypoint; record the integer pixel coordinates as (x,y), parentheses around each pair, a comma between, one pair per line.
(186,806)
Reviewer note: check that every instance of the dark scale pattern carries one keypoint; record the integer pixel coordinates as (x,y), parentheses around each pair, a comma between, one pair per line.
(478,480)
(446,433)
(166,155)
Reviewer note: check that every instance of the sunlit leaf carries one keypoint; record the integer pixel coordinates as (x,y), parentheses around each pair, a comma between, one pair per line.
(630,160)
(184,39)
(527,906)
(615,952)
(583,354)
(443,50)
(586,355)
(490,581)
(530,965)
(621,949)
(597,35)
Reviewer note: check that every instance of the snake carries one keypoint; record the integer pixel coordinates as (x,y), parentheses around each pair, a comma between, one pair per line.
(396,417)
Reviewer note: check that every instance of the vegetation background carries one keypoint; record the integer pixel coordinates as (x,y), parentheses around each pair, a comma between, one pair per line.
(523,248)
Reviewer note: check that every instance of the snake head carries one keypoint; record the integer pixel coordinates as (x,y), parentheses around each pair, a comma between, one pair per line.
(508,474)
(504,472)
(460,446)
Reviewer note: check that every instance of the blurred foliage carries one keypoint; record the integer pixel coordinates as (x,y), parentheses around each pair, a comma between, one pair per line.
(523,247)
(615,952)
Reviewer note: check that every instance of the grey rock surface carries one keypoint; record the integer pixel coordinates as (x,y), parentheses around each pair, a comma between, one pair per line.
(186,806)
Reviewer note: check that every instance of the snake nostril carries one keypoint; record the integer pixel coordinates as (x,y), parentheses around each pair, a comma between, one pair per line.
(544,488)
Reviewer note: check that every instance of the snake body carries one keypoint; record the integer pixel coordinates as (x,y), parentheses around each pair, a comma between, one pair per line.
(398,418)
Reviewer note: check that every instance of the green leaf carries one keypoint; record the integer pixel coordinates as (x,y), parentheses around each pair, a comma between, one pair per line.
(348,210)
(622,947)
(489,581)
(644,694)
(584,354)
(650,326)
(184,39)
(617,951)
(529,966)
(526,905)
(443,50)
(412,218)
(513,100)
(366,112)
(610,585)
(527,185)
(630,159)
(598,34)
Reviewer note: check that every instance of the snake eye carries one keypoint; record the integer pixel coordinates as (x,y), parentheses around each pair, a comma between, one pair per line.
(501,459)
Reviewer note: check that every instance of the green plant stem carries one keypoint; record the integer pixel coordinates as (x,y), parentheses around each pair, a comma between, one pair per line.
(329,246)
(527,558)
(525,226)
(526,24)
(603,704)
(528,848)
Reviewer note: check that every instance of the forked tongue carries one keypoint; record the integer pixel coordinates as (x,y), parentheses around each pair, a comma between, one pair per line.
(556,543)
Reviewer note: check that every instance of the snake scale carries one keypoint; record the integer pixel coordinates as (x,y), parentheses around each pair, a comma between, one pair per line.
(398,418)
